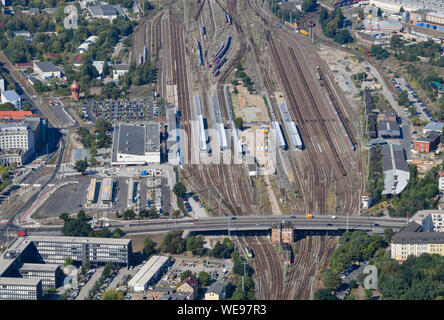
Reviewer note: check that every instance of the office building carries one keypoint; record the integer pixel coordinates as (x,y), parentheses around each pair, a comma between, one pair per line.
(17,141)
(50,274)
(98,251)
(20,289)
(430,220)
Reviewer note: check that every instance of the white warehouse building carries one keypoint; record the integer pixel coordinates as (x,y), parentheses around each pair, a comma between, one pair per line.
(150,272)
(136,145)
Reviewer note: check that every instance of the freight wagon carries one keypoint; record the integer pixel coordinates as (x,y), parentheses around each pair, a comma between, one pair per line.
(305,33)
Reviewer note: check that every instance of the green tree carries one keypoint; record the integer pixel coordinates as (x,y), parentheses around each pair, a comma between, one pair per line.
(308,5)
(403,99)
(324,294)
(331,280)
(179,189)
(149,246)
(239,123)
(81,166)
(64,216)
(117,233)
(129,214)
(112,294)
(186,274)
(68,262)
(343,37)
(204,278)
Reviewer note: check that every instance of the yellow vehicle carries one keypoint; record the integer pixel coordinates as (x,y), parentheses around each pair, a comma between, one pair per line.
(309,216)
(305,33)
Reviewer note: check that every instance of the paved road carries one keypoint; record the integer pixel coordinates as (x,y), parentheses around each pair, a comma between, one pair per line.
(88,286)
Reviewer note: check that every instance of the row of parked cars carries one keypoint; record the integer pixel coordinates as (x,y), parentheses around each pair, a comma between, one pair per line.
(416,99)
(105,284)
(125,109)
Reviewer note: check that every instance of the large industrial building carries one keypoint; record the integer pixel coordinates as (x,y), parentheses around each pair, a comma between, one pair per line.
(408,5)
(396,170)
(150,272)
(136,144)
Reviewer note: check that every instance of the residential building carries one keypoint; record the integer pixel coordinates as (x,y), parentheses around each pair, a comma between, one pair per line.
(174,296)
(12,97)
(136,145)
(217,290)
(17,143)
(20,289)
(119,70)
(427,142)
(441,181)
(411,241)
(50,274)
(149,273)
(47,70)
(396,170)
(189,288)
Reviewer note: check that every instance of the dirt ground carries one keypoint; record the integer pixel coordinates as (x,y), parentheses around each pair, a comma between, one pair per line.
(251,107)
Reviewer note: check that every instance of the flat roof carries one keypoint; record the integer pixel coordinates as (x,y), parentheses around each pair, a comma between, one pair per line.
(19,281)
(11,95)
(79,240)
(152,142)
(46,66)
(131,139)
(148,270)
(430,136)
(39,267)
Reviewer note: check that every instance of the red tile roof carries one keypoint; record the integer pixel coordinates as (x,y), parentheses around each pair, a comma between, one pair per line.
(16,115)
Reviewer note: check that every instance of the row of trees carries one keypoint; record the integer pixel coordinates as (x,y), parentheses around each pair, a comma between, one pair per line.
(79,227)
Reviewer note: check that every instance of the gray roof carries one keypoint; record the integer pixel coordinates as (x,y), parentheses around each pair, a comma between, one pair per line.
(122,67)
(19,281)
(46,66)
(131,139)
(104,10)
(388,128)
(152,137)
(430,136)
(39,267)
(174,296)
(79,240)
(418,237)
(11,95)
(433,126)
(397,161)
(218,287)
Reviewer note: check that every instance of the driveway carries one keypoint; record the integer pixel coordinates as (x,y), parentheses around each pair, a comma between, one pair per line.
(88,286)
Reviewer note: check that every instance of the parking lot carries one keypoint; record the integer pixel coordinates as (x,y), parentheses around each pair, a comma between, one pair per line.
(402,84)
(129,110)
